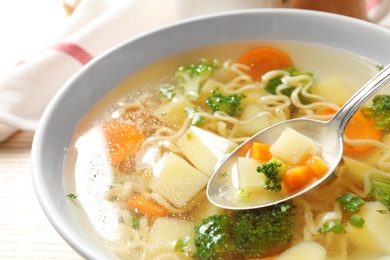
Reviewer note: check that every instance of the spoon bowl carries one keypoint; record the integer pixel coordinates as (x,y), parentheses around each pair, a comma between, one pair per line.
(222,186)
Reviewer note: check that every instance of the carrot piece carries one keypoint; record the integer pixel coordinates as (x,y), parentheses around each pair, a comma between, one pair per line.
(147,206)
(361,127)
(326,111)
(261,151)
(297,177)
(317,165)
(264,59)
(123,141)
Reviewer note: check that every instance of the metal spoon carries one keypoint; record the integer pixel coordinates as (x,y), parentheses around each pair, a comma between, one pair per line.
(222,188)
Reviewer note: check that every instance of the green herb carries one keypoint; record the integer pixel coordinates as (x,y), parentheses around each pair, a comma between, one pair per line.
(72,196)
(382,211)
(243,193)
(191,77)
(334,226)
(136,221)
(224,174)
(197,119)
(350,202)
(380,190)
(230,103)
(189,136)
(357,221)
(272,170)
(182,244)
(380,111)
(168,92)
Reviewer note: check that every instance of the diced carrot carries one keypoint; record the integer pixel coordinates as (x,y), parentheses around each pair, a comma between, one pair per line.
(147,206)
(123,141)
(264,59)
(261,151)
(317,165)
(361,127)
(297,177)
(326,111)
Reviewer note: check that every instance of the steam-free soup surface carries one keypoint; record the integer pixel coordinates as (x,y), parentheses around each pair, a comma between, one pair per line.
(140,160)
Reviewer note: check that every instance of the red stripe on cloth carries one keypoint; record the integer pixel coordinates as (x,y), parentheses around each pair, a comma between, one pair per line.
(371,4)
(19,63)
(74,51)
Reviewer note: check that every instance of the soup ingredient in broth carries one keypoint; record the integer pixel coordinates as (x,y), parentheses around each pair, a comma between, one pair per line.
(245,234)
(147,206)
(123,141)
(350,202)
(304,250)
(230,103)
(380,111)
(264,59)
(361,127)
(381,190)
(190,77)
(363,174)
(273,83)
(374,235)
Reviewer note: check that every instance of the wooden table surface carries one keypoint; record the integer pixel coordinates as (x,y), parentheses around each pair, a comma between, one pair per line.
(25,232)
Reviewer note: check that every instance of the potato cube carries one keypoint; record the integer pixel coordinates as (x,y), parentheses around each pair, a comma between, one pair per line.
(166,232)
(304,250)
(248,177)
(210,86)
(203,148)
(250,127)
(176,180)
(328,87)
(293,146)
(173,114)
(374,236)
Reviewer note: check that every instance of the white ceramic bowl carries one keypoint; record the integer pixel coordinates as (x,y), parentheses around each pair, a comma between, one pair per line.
(105,72)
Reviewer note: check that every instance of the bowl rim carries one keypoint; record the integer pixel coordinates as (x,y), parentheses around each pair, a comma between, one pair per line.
(38,170)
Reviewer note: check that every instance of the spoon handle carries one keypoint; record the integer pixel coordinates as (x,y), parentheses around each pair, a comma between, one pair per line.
(345,113)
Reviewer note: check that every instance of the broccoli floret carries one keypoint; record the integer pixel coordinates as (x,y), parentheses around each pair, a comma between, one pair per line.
(273,171)
(260,232)
(380,190)
(168,92)
(380,111)
(211,237)
(230,104)
(191,77)
(197,119)
(245,234)
(273,83)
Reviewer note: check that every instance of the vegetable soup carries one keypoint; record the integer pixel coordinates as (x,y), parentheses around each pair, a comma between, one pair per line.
(139,162)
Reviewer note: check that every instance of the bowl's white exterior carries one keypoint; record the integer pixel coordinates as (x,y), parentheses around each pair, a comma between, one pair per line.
(98,77)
